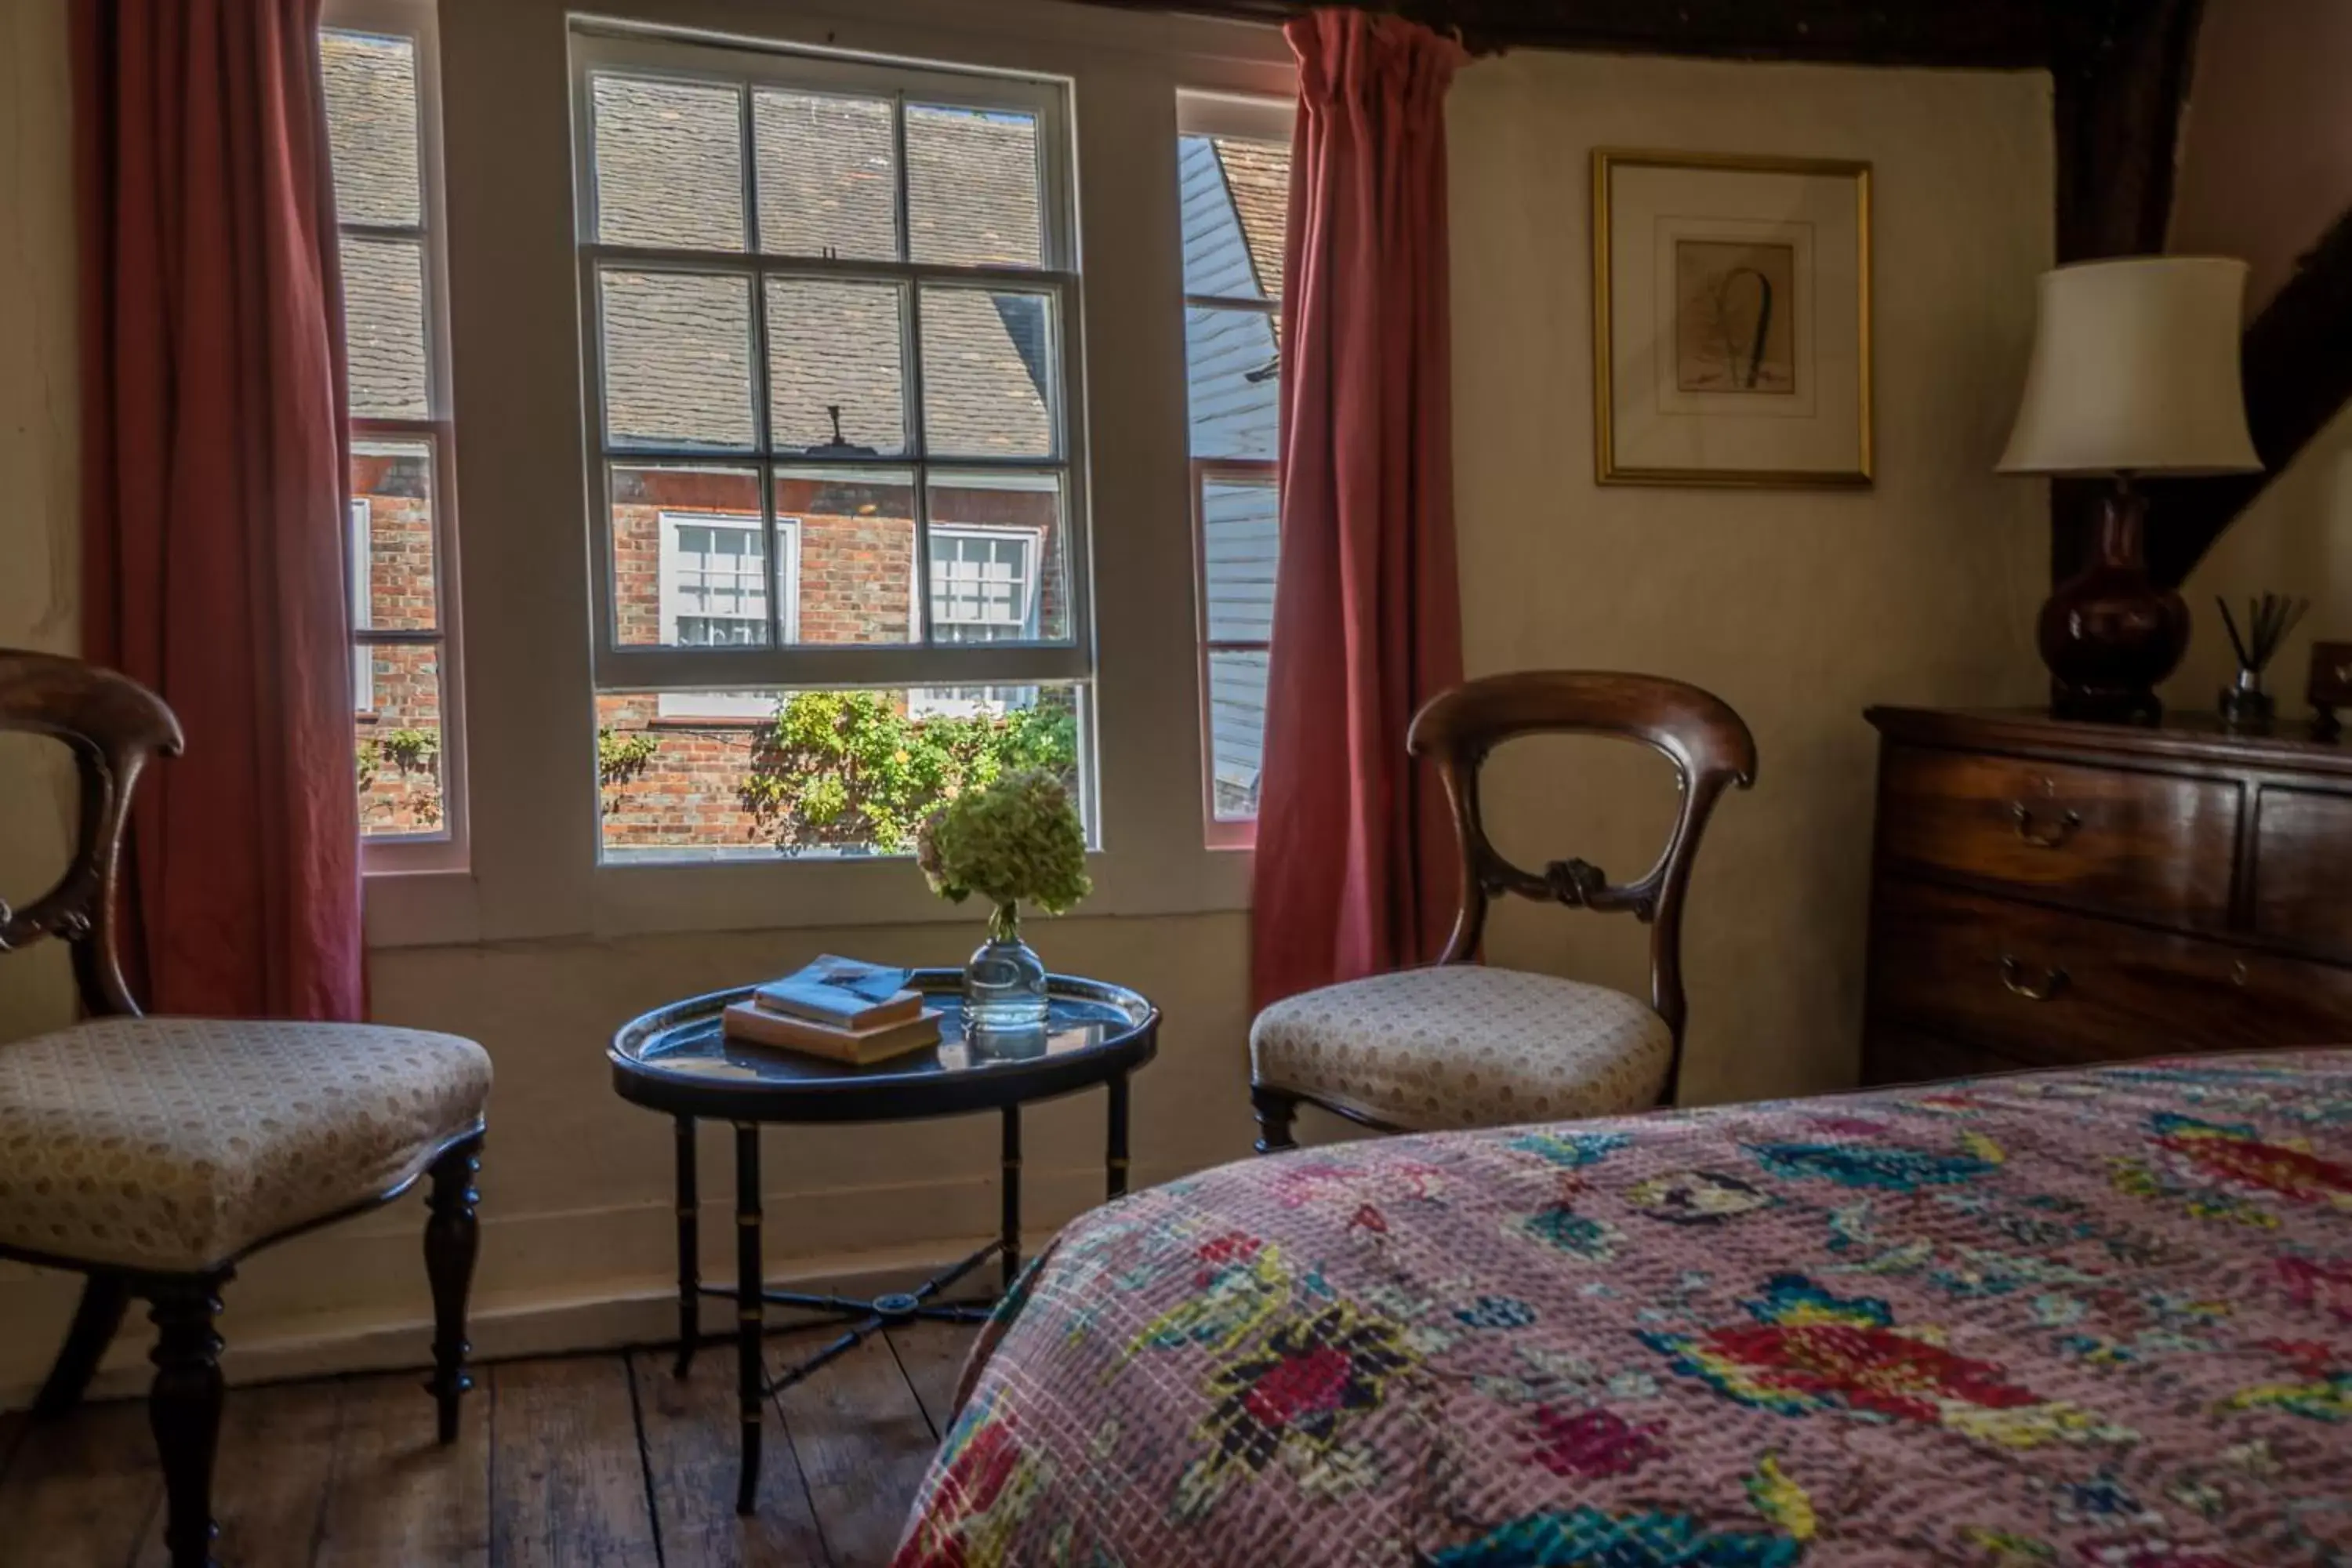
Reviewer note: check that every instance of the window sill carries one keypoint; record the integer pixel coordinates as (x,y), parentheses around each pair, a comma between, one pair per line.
(716,721)
(445,909)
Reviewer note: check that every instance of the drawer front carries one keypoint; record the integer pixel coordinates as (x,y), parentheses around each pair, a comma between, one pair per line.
(2044,986)
(2303,870)
(2153,845)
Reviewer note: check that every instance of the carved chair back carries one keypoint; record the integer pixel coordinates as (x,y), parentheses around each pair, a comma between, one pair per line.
(1707,744)
(112,725)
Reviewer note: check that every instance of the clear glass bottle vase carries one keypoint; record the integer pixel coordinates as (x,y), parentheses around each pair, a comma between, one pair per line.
(1004,982)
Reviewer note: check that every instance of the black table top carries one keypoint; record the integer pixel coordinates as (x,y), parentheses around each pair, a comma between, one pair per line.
(679,1059)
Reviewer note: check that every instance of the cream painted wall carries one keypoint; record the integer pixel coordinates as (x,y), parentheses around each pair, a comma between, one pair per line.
(1798,607)
(2296,539)
(38,454)
(1801,608)
(2265,165)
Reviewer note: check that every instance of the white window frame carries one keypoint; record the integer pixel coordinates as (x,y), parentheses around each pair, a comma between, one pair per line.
(1255,120)
(780,666)
(785,579)
(362,546)
(951,701)
(449,846)
(1033,545)
(531,688)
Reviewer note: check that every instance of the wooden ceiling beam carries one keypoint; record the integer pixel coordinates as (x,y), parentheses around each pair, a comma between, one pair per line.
(2002,34)
(2297,359)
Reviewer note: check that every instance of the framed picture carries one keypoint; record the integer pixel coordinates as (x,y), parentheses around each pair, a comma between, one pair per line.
(1730,320)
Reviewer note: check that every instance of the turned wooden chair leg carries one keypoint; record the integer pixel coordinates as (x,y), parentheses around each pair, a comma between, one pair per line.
(1274,1109)
(184,1409)
(452,1236)
(103,1299)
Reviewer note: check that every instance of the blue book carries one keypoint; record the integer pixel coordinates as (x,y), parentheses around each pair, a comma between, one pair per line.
(842,993)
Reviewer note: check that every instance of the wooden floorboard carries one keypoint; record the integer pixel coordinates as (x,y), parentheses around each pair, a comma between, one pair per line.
(270,1481)
(398,1497)
(82,1490)
(567,1477)
(863,1443)
(692,1427)
(580,1462)
(932,1355)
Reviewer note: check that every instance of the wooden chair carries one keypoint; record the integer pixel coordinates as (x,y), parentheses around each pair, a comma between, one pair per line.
(1462,1044)
(152,1154)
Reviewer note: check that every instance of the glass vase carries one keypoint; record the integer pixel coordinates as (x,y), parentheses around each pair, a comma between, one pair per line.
(1004,982)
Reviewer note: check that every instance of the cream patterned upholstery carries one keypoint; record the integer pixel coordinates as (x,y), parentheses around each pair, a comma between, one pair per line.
(1465,1046)
(171,1144)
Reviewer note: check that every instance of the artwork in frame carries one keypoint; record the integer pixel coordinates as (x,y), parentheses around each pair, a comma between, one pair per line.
(1732,320)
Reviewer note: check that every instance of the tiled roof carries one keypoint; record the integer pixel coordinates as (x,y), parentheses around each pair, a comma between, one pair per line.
(370,89)
(1257,176)
(678,347)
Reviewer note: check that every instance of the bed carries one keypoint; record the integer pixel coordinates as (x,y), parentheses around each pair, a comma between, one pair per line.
(2099,1317)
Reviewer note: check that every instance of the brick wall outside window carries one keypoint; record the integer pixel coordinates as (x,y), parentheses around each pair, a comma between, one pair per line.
(404,686)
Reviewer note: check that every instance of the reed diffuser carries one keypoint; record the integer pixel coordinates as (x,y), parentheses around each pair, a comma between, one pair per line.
(2244,704)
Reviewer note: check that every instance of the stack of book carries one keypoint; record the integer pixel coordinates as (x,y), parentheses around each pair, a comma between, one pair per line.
(839,1009)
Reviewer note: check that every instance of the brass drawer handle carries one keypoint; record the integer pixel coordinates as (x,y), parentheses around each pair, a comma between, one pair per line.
(2043,839)
(2012,974)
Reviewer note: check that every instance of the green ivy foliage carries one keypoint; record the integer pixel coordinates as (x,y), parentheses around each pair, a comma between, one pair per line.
(412,754)
(851,768)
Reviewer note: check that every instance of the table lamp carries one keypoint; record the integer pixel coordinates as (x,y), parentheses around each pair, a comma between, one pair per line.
(2134,372)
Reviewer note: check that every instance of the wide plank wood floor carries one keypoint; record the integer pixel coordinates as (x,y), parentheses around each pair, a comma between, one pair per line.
(574,1462)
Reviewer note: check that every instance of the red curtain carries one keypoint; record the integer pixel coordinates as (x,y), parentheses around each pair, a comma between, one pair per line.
(214,479)
(1355,865)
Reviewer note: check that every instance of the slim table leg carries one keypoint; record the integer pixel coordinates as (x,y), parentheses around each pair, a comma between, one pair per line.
(749,1309)
(1115,1161)
(1009,1228)
(690,1248)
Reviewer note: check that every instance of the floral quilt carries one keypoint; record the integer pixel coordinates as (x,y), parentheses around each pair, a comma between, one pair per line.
(2099,1317)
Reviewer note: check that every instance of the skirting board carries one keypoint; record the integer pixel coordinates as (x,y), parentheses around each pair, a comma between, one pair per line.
(353,1298)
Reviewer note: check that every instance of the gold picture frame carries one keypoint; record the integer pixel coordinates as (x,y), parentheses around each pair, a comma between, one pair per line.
(1773,373)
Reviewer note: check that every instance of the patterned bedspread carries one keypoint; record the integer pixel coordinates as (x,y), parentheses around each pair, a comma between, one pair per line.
(2095,1318)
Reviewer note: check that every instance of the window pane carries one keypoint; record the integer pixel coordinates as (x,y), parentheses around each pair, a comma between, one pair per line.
(989,373)
(1236,201)
(1238,538)
(1237,732)
(814,774)
(997,570)
(393,535)
(828,183)
(852,555)
(678,360)
(689,563)
(669,164)
(972,187)
(1234,380)
(400,739)
(383,327)
(835,365)
(370,87)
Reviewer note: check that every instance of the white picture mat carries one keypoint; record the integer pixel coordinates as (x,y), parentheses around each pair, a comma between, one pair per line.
(1655,427)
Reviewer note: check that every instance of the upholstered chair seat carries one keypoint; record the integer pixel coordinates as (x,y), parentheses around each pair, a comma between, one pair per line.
(1462,1044)
(152,1156)
(171,1145)
(1465,1046)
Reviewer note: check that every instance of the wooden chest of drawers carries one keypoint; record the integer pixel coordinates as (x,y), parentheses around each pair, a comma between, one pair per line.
(2046,893)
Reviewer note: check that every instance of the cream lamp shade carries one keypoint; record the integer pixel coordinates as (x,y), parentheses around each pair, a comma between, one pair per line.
(2135,371)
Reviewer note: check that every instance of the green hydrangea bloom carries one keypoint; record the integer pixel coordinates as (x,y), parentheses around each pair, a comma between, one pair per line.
(1016,840)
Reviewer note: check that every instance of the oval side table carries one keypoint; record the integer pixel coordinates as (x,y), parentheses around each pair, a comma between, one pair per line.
(677,1060)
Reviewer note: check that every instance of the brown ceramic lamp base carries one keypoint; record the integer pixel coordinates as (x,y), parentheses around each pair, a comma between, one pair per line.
(2110,633)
